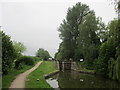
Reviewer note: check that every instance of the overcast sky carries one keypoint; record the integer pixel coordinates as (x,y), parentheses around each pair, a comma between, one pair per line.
(35,23)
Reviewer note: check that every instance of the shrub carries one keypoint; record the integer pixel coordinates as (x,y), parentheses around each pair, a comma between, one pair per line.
(36,58)
(8,52)
(27,60)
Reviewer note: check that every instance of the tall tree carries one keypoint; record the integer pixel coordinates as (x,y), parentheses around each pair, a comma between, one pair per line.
(88,40)
(69,30)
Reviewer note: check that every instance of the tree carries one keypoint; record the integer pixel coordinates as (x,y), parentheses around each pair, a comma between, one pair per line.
(43,54)
(88,40)
(60,54)
(68,43)
(114,61)
(8,53)
(19,48)
(107,51)
(69,29)
(108,62)
(118,43)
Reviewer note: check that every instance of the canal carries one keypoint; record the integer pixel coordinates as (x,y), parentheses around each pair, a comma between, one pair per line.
(73,79)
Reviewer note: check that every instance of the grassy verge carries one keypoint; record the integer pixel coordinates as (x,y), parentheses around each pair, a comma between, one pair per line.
(45,68)
(84,69)
(7,79)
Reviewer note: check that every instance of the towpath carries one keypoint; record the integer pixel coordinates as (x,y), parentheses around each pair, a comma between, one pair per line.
(19,82)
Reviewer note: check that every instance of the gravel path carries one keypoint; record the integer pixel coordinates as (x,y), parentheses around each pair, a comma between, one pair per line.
(19,82)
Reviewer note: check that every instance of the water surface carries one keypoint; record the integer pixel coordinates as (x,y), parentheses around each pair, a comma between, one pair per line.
(73,79)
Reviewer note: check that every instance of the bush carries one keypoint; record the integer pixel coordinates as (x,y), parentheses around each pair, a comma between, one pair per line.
(36,58)
(8,52)
(24,60)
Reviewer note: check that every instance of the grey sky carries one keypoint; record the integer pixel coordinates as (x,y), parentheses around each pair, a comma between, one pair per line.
(35,23)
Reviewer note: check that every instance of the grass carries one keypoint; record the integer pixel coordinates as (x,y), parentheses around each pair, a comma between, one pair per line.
(84,69)
(7,79)
(45,68)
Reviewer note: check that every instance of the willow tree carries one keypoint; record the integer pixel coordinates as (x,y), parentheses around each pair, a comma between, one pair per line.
(117,39)
(114,64)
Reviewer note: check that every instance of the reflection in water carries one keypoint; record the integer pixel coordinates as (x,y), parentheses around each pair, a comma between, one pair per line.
(72,79)
(53,82)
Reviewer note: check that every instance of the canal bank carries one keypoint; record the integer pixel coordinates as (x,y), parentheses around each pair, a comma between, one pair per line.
(36,79)
(85,72)
(51,74)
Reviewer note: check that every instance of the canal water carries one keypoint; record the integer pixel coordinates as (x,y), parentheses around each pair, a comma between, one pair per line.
(73,79)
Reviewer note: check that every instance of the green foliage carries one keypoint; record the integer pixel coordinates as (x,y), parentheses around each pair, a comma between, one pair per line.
(111,64)
(118,69)
(36,59)
(43,54)
(79,34)
(114,69)
(78,54)
(8,53)
(19,48)
(82,34)
(108,62)
(60,54)
(88,41)
(107,51)
(24,60)
(69,29)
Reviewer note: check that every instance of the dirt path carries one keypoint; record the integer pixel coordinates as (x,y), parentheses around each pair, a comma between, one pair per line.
(19,82)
